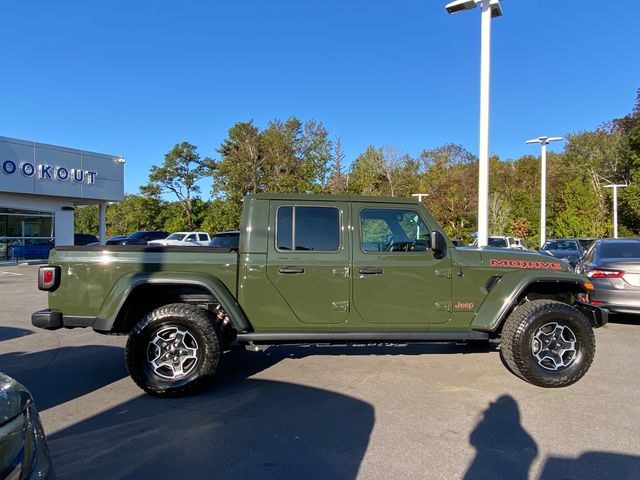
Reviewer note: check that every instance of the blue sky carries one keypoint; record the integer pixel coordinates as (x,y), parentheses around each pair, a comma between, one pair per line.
(134,78)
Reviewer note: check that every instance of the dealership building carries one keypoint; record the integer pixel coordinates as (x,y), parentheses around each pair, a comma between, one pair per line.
(40,186)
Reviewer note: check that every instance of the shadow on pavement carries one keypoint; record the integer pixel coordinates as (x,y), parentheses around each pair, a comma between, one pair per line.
(593,465)
(624,318)
(239,428)
(8,333)
(59,375)
(504,450)
(503,447)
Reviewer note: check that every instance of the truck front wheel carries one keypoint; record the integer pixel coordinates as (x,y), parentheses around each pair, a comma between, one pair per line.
(548,343)
(173,349)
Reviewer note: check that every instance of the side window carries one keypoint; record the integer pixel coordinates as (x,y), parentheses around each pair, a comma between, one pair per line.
(314,229)
(393,230)
(190,238)
(202,237)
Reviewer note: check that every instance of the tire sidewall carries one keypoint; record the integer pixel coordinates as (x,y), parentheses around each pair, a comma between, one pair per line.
(584,352)
(140,368)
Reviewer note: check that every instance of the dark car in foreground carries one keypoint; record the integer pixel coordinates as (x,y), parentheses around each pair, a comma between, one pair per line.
(565,249)
(141,237)
(613,266)
(23,448)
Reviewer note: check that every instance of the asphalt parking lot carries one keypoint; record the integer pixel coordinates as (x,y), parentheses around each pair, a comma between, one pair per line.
(437,411)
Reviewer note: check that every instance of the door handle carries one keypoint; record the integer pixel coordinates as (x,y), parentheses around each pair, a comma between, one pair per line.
(370,271)
(291,270)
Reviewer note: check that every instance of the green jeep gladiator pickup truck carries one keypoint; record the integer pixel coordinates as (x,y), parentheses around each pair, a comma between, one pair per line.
(321,270)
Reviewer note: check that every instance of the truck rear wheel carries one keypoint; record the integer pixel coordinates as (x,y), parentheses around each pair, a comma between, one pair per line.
(548,343)
(173,349)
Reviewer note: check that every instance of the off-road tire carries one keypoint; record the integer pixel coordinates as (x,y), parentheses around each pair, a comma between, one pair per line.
(518,346)
(202,331)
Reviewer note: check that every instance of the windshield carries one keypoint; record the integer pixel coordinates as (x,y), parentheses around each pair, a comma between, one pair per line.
(176,236)
(561,245)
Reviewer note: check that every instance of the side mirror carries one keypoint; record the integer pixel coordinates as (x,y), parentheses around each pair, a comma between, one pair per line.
(537,249)
(438,244)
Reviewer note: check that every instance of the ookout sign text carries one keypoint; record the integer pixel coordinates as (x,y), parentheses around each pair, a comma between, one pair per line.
(44,171)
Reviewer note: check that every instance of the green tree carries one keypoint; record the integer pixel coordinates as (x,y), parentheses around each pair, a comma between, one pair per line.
(86,219)
(181,170)
(135,212)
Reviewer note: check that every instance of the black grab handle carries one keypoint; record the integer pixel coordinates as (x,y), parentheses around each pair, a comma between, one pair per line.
(291,270)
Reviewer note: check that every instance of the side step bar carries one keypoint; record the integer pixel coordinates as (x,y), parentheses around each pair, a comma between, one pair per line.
(350,337)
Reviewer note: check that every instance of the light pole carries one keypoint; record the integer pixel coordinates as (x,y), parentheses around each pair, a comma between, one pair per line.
(490,9)
(615,187)
(543,141)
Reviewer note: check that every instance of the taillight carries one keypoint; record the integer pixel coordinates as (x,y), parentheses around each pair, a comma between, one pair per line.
(605,274)
(48,278)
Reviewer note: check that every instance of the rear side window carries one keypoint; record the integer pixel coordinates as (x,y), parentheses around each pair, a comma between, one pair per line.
(314,229)
(202,237)
(620,250)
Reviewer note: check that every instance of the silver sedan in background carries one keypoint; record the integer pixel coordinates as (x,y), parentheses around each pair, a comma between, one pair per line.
(613,265)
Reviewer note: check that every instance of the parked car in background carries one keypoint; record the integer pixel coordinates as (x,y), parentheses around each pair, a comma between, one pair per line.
(585,242)
(84,239)
(504,242)
(613,266)
(566,249)
(142,237)
(227,239)
(185,239)
(115,240)
(23,447)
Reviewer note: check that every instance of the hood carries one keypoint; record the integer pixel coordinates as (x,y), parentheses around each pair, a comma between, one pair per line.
(14,398)
(511,259)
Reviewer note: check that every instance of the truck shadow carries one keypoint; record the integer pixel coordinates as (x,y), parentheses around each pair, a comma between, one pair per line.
(504,450)
(246,428)
(59,375)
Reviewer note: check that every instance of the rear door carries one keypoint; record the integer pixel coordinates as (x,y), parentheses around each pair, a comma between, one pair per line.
(308,259)
(397,280)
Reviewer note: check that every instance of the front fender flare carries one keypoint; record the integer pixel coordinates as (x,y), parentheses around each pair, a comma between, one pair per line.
(125,286)
(505,294)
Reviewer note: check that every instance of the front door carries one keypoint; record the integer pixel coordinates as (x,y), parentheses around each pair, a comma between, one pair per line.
(308,259)
(397,280)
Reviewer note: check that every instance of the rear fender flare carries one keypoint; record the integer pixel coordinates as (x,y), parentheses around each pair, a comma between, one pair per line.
(115,301)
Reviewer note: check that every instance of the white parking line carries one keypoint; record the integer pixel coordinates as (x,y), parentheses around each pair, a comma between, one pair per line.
(11,274)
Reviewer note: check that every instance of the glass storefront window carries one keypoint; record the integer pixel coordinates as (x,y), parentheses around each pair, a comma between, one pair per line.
(25,234)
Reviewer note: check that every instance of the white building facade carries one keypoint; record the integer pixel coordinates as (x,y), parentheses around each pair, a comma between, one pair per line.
(40,186)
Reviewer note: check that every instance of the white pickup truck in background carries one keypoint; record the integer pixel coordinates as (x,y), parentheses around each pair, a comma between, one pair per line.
(184,239)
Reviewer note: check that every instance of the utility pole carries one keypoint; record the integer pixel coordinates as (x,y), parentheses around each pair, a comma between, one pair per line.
(543,141)
(615,187)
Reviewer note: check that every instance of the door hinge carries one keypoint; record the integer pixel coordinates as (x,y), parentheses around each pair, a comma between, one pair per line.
(341,271)
(340,306)
(444,306)
(444,273)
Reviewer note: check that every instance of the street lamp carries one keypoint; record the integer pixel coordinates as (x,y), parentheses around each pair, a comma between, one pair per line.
(420,196)
(543,141)
(615,187)
(490,9)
